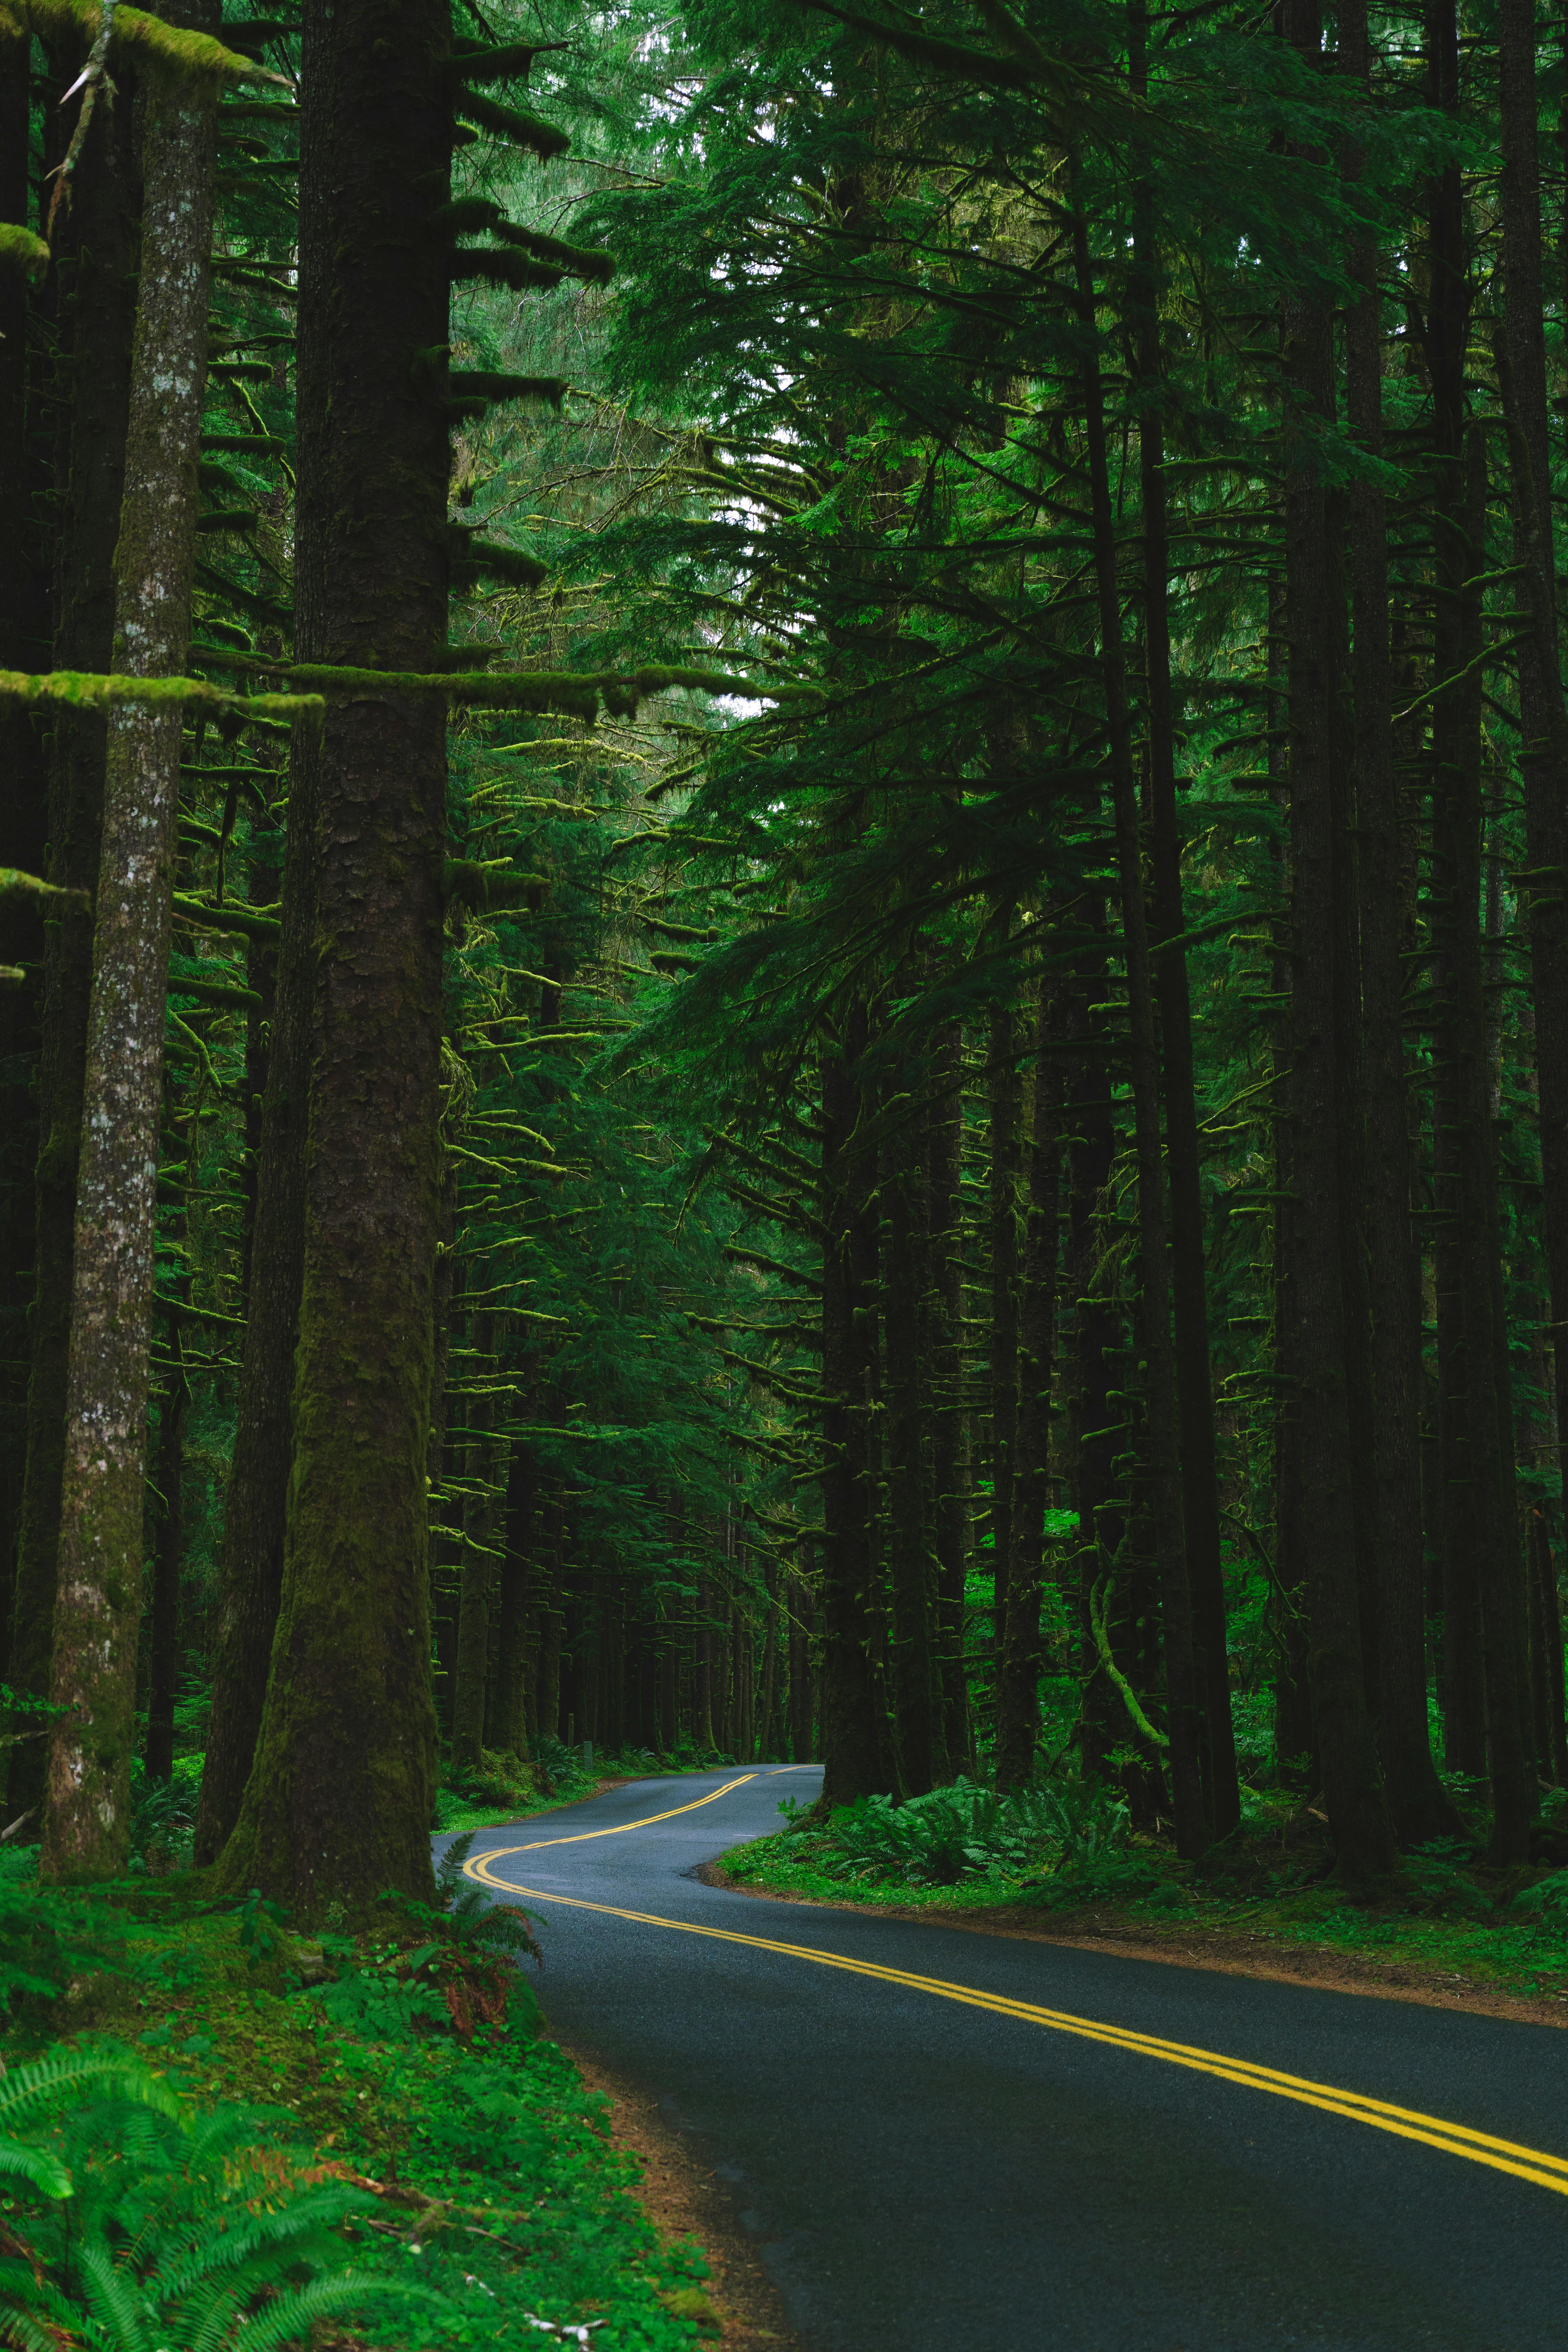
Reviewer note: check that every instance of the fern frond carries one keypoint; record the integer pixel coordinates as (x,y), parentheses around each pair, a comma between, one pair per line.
(113,2299)
(300,2308)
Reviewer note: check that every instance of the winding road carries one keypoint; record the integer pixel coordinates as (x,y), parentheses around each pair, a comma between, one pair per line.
(944,2140)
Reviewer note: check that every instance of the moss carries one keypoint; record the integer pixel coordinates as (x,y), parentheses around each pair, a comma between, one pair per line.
(540,139)
(20,249)
(488,385)
(86,691)
(152,45)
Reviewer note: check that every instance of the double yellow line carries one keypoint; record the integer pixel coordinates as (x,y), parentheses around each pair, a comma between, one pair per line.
(1530,2164)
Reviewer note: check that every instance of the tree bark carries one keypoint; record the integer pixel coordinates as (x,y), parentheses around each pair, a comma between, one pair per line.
(250,1557)
(338,1804)
(1418,1805)
(1358,1816)
(1194,1379)
(1544,758)
(98,316)
(86,1823)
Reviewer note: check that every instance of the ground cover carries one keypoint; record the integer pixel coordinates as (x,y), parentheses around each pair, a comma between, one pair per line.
(1065,1860)
(389,2106)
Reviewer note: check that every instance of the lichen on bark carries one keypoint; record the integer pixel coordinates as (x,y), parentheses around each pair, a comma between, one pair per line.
(85,1823)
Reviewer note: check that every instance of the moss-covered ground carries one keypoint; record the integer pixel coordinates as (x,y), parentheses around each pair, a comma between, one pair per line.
(409,2064)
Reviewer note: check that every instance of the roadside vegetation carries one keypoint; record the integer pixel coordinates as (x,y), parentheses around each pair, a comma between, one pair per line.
(1064,1853)
(213,2130)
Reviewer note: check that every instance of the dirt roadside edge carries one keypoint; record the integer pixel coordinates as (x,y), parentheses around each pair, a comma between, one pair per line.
(1224,1952)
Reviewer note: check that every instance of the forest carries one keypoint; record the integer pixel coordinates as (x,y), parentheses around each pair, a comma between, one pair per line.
(787,913)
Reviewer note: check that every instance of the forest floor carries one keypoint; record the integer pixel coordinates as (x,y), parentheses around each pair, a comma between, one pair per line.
(413,2067)
(1452,1932)
(503,1790)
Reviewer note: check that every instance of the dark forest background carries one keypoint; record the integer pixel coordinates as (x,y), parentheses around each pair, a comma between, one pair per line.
(862,950)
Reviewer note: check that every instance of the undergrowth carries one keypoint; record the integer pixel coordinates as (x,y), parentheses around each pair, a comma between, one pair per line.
(231,2134)
(1064,1848)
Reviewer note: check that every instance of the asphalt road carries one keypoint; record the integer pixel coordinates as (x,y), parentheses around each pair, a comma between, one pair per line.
(954,2168)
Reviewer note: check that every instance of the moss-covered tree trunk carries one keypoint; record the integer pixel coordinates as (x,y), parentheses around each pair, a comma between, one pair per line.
(85,1826)
(338,1805)
(96,313)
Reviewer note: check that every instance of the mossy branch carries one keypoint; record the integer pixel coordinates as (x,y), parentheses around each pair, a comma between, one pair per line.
(488,889)
(87,691)
(20,249)
(242,919)
(504,265)
(486,385)
(573,693)
(472,555)
(14,884)
(540,139)
(512,61)
(147,41)
(213,992)
(1099,1609)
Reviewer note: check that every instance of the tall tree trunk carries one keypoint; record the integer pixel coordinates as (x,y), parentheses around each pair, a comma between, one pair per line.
(338,1804)
(1018,1680)
(250,1557)
(1183,1683)
(85,1826)
(1091,1148)
(1418,1805)
(1195,1391)
(801,1714)
(1520,349)
(1488,1415)
(1358,1816)
(98,248)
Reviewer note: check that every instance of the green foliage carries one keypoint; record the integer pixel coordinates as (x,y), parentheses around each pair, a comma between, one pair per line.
(966,1831)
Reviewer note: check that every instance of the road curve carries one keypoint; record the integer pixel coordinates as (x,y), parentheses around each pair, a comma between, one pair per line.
(948,2140)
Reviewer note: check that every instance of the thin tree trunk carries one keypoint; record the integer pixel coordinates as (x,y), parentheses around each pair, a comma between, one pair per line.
(478,1566)
(338,1804)
(852,1761)
(85,1826)
(1003,1086)
(1017,1685)
(99,244)
(1183,1670)
(950,1454)
(913,1675)
(512,1656)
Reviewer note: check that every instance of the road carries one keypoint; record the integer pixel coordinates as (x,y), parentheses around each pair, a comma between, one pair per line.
(942,2139)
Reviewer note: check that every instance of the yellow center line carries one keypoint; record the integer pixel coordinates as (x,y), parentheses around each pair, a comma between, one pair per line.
(617,1829)
(1546,2172)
